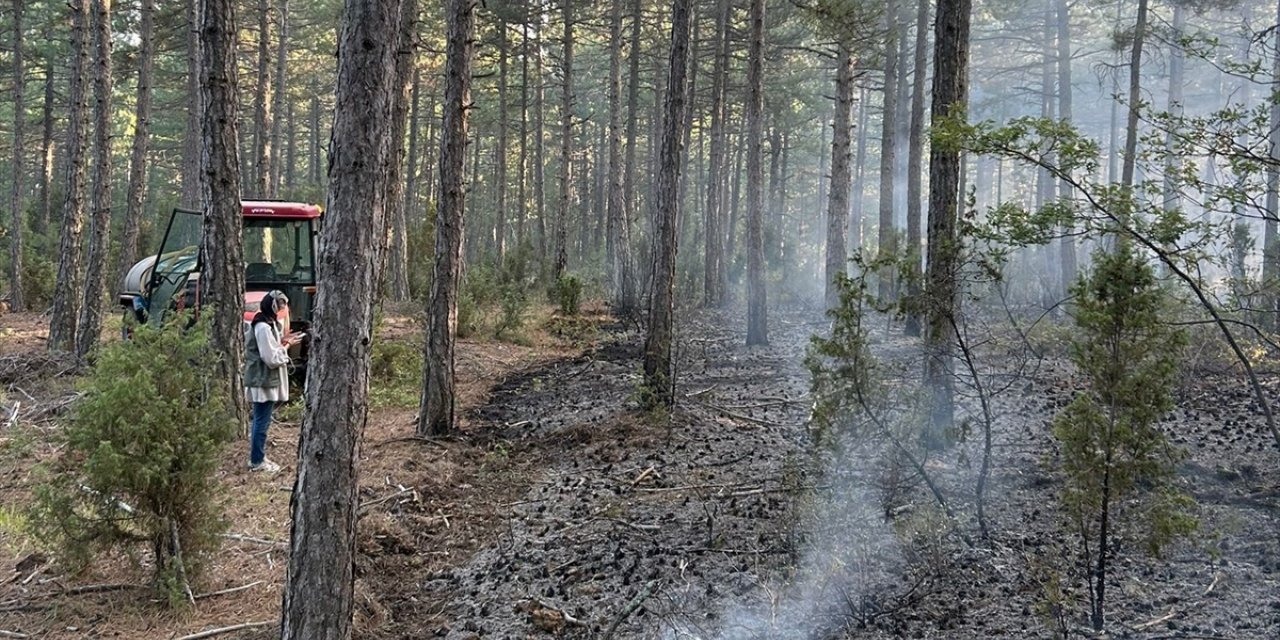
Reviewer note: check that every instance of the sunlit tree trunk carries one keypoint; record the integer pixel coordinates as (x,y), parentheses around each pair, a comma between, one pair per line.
(659,376)
(436,411)
(915,166)
(522,207)
(221,249)
(887,239)
(950,86)
(141,140)
(320,583)
(278,96)
(16,301)
(398,260)
(44,211)
(313,154)
(838,200)
(69,287)
(859,186)
(618,244)
(757,301)
(1068,243)
(262,115)
(539,146)
(566,141)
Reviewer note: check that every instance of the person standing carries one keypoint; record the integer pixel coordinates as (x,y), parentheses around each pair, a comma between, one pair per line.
(266,360)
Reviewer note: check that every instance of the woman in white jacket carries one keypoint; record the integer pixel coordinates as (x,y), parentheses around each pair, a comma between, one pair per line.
(266,381)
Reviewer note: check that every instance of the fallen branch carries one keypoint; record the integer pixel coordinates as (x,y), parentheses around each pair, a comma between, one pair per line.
(364,508)
(228,591)
(243,538)
(631,608)
(97,588)
(221,630)
(640,478)
(1152,623)
(422,439)
(12,634)
(13,414)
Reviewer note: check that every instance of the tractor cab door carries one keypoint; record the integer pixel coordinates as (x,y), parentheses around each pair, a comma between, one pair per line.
(172,284)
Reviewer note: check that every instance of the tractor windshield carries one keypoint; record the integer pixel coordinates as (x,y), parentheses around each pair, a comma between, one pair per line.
(277,252)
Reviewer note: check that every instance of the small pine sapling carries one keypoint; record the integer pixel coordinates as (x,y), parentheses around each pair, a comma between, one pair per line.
(139,455)
(1118,466)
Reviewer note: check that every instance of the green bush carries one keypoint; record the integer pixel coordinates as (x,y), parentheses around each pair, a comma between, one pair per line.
(395,373)
(567,293)
(138,457)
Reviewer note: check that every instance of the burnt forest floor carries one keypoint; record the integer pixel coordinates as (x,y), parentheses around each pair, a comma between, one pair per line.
(562,510)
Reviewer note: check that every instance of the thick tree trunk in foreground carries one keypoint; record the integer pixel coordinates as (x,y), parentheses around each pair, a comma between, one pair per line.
(658,374)
(757,302)
(16,302)
(141,142)
(89,327)
(436,408)
(395,243)
(69,286)
(838,200)
(222,250)
(318,598)
(950,87)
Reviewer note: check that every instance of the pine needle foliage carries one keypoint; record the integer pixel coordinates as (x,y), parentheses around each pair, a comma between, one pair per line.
(139,456)
(1118,465)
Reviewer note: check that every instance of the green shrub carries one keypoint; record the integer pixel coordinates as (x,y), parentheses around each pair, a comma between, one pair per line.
(567,293)
(138,457)
(515,305)
(395,373)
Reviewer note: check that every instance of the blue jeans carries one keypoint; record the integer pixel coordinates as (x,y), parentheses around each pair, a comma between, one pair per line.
(258,432)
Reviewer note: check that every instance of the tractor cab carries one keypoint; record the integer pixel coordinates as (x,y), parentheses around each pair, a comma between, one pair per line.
(279,253)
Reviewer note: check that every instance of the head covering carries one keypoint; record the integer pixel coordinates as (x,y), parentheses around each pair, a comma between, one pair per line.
(270,306)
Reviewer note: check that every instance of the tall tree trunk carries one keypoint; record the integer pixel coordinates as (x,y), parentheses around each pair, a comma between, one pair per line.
(313,155)
(757,301)
(735,201)
(44,212)
(436,414)
(1135,96)
(1270,250)
(522,212)
(141,140)
(320,584)
(539,147)
(16,301)
(396,249)
(915,167)
(291,156)
(859,183)
(838,200)
(887,240)
(631,203)
(713,278)
(566,141)
(659,376)
(1052,291)
(773,201)
(277,108)
(262,115)
(398,267)
(69,287)
(1067,243)
(950,88)
(191,163)
(500,154)
(618,245)
(221,249)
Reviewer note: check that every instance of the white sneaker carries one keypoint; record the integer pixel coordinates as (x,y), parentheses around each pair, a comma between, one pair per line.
(267,466)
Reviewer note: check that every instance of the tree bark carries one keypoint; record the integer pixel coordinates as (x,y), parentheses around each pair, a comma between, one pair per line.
(69,287)
(141,140)
(89,327)
(887,240)
(262,115)
(191,162)
(1052,291)
(1270,250)
(539,147)
(566,141)
(500,154)
(838,198)
(522,207)
(950,90)
(757,301)
(319,589)
(277,106)
(313,155)
(44,212)
(436,414)
(659,376)
(16,301)
(221,249)
(396,243)
(398,268)
(618,243)
(713,278)
(1135,96)
(915,167)
(1067,244)
(629,191)
(859,183)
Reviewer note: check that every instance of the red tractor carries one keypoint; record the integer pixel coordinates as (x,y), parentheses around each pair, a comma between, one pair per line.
(279,250)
